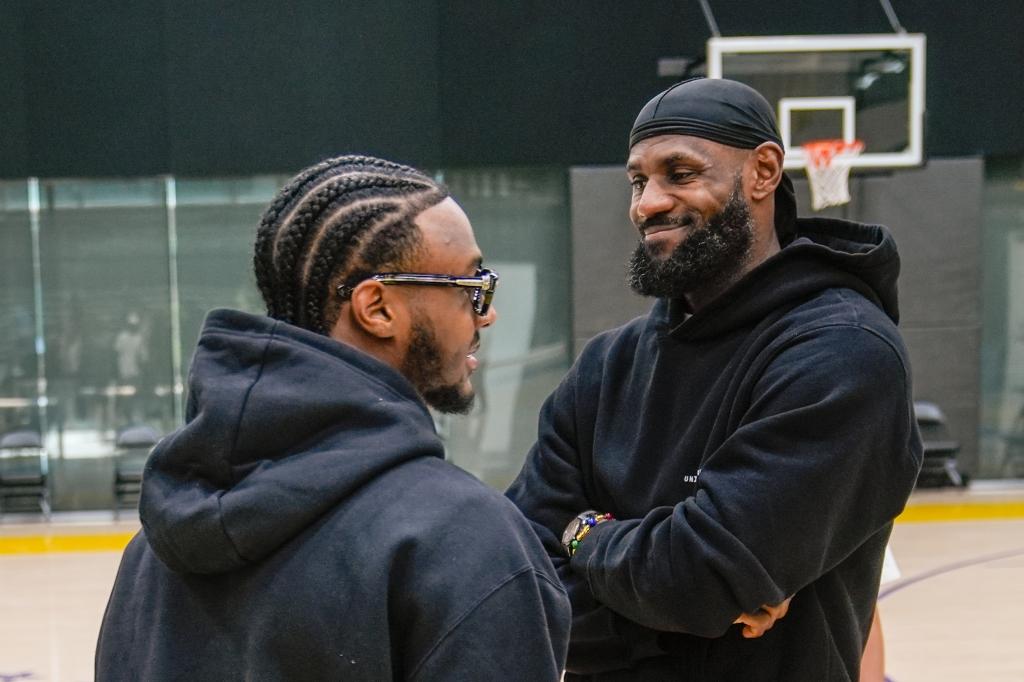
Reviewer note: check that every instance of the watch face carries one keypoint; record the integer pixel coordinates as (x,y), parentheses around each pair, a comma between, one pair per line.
(570,531)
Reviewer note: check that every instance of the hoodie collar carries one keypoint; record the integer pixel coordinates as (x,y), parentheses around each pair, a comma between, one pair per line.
(282,425)
(826,253)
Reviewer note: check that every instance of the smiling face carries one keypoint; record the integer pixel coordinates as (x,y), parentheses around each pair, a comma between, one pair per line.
(444,329)
(713,255)
(696,233)
(678,183)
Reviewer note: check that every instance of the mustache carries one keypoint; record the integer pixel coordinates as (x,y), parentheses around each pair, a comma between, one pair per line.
(665,220)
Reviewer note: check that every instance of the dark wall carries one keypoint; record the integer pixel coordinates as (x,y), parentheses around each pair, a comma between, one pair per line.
(276,85)
(95,102)
(934,214)
(196,88)
(529,81)
(564,81)
(13,133)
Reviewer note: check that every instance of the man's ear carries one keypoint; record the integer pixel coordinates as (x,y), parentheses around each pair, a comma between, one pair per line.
(767,160)
(374,310)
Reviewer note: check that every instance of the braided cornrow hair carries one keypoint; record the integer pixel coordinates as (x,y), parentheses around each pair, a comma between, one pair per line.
(337,222)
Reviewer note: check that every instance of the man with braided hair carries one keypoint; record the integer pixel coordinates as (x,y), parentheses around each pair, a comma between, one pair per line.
(303,524)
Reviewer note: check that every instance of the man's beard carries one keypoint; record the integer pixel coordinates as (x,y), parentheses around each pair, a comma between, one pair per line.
(423,367)
(710,257)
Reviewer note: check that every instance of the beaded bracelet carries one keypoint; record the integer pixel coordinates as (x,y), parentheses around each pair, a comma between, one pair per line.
(584,523)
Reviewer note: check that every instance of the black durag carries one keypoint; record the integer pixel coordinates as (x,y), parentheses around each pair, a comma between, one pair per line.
(723,111)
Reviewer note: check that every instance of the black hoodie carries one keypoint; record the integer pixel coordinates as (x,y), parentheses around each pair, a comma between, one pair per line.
(303,525)
(757,449)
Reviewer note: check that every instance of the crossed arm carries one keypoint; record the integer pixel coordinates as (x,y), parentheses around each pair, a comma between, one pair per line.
(761,621)
(765,521)
(754,624)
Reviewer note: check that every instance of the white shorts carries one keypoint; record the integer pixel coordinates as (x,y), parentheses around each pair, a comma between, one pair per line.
(890,571)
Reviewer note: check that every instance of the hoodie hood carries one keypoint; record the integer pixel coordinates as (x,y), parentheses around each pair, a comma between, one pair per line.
(281,425)
(826,253)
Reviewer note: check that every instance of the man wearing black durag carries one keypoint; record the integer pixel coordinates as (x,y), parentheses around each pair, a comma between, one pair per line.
(749,440)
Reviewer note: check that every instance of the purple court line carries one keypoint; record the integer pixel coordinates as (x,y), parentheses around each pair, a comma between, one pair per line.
(948,568)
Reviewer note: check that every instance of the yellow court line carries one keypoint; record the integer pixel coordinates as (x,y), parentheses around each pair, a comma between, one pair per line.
(969,511)
(116,542)
(44,544)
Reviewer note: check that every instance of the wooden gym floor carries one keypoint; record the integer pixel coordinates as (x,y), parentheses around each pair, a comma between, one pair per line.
(951,616)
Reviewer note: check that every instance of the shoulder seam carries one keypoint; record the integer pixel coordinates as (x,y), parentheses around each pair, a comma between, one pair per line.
(849,325)
(470,609)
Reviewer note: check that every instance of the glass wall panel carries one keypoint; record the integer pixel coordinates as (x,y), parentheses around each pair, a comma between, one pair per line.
(104,263)
(1002,356)
(521,221)
(18,361)
(129,268)
(216,228)
(107,249)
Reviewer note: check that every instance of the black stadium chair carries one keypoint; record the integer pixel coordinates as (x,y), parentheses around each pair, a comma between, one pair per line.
(940,450)
(132,447)
(23,472)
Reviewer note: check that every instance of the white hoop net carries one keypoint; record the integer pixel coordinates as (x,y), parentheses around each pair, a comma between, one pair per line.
(828,170)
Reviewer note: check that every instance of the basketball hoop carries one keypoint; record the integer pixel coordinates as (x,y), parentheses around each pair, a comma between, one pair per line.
(828,170)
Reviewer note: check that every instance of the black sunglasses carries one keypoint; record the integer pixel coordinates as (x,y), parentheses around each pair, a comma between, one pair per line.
(483,283)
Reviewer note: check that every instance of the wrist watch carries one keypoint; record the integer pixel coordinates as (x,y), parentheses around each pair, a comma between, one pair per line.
(578,528)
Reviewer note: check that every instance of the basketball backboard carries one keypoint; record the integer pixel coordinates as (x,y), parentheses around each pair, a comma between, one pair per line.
(864,87)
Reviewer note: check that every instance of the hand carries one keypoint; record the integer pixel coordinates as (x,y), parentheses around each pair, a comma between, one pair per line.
(756,624)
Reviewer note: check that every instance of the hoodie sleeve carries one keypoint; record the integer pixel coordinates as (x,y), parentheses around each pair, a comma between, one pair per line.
(499,637)
(550,492)
(824,456)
